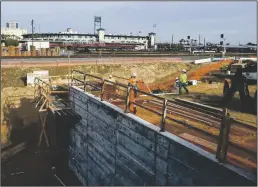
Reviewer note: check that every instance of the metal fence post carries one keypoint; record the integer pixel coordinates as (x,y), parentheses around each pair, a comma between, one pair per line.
(127,98)
(223,141)
(164,113)
(102,90)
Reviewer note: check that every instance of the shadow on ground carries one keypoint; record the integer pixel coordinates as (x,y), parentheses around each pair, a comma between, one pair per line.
(33,166)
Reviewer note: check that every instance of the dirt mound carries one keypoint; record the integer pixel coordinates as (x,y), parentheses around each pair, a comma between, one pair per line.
(205,70)
(196,72)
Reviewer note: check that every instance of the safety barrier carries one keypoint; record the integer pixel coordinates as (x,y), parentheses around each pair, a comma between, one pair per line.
(166,108)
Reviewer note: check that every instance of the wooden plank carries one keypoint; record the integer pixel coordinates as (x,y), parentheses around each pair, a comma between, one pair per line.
(13,151)
(212,147)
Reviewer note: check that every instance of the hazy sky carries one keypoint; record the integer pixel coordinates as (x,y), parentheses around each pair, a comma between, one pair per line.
(237,20)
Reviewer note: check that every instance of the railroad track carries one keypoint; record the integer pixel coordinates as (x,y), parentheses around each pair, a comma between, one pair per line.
(206,116)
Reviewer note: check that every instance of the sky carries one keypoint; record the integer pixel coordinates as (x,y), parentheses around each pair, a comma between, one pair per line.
(237,20)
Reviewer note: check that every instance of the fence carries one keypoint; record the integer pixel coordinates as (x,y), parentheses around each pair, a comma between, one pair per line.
(165,109)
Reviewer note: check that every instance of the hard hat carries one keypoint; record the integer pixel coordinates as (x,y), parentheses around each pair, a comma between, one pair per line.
(176,78)
(133,75)
(110,76)
(183,70)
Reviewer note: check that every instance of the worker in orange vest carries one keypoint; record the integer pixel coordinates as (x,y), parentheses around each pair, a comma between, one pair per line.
(132,94)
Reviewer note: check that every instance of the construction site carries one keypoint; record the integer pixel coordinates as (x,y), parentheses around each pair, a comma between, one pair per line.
(65,123)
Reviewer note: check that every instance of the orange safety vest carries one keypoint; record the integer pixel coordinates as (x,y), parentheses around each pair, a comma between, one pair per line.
(132,81)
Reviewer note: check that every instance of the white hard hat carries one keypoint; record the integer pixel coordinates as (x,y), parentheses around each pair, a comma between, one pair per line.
(183,70)
(133,75)
(176,77)
(110,76)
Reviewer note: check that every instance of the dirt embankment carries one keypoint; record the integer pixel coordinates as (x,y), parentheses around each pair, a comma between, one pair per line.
(17,111)
(13,85)
(149,72)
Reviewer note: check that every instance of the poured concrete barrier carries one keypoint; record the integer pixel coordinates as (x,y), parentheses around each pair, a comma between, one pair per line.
(109,147)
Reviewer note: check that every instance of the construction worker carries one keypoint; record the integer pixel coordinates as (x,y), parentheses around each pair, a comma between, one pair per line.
(183,82)
(133,93)
(225,88)
(238,83)
(110,87)
(177,84)
(112,79)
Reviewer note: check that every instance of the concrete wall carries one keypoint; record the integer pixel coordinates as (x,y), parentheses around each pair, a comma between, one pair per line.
(109,147)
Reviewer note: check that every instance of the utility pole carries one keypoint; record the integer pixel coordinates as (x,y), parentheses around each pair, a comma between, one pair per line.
(199,40)
(204,43)
(32,28)
(172,41)
(41,40)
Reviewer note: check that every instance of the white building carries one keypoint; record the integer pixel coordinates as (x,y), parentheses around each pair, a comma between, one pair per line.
(37,44)
(101,38)
(13,31)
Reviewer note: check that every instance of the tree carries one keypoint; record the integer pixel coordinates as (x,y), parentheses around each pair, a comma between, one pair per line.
(250,43)
(11,42)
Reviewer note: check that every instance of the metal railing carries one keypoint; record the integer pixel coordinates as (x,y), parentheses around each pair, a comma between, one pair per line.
(165,108)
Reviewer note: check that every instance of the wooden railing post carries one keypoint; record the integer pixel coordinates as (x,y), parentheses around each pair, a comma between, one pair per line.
(164,113)
(102,90)
(84,80)
(127,98)
(224,149)
(223,141)
(72,77)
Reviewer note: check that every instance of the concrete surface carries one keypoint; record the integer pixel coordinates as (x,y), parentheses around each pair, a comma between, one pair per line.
(109,147)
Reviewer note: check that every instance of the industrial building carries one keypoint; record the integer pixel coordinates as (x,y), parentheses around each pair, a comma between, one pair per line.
(13,31)
(100,39)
